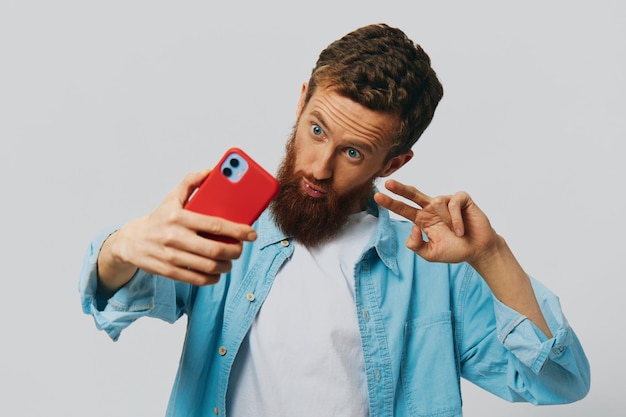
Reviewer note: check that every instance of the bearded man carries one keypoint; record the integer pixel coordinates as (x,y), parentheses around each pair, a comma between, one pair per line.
(328,306)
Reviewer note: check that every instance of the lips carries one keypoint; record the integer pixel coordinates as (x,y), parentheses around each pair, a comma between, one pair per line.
(312,190)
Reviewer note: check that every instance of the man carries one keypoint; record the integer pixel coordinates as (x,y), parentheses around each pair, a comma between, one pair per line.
(320,309)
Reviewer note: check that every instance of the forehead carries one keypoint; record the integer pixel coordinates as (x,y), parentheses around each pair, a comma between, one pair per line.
(342,115)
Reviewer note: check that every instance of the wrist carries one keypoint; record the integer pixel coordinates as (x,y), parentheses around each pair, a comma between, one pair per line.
(493,256)
(113,271)
(509,283)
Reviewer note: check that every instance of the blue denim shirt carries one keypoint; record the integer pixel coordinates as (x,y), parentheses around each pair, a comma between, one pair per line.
(423,326)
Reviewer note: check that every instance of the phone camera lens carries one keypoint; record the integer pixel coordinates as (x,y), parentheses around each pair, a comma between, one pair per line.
(234,163)
(227,172)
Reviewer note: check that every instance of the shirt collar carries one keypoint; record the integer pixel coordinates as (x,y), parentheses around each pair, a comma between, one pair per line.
(268,232)
(384,239)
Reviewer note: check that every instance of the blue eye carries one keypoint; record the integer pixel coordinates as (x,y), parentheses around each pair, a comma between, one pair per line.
(317,130)
(353,153)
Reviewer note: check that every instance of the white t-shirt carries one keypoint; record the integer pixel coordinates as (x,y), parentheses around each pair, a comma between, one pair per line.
(303,354)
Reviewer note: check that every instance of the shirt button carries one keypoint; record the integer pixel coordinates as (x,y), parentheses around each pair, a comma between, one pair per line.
(250,297)
(558,350)
(222,351)
(216,411)
(284,243)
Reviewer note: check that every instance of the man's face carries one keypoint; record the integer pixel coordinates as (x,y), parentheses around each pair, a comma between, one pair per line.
(337,149)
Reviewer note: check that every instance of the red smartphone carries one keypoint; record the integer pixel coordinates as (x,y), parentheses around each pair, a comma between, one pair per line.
(237,189)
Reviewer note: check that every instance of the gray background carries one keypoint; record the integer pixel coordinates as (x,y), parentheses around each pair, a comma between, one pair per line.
(105,106)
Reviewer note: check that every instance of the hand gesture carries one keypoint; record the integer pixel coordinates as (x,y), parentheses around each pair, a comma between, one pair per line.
(457,230)
(166,242)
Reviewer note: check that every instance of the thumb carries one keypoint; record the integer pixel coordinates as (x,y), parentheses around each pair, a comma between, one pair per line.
(415,241)
(188,185)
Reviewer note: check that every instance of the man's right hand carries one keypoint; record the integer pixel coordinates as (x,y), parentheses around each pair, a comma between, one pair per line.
(166,242)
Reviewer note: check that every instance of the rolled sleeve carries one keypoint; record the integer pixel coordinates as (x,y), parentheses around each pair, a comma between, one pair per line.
(144,295)
(524,339)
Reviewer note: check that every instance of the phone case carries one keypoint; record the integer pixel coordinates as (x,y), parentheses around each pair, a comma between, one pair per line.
(237,189)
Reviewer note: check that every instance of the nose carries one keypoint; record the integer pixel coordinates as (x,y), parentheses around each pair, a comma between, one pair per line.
(323,164)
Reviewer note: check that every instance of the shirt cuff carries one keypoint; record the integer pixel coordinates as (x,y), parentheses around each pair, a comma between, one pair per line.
(130,302)
(524,339)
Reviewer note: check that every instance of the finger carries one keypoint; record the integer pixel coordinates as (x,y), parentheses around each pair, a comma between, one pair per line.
(179,243)
(456,205)
(186,187)
(424,247)
(184,273)
(396,206)
(207,266)
(408,192)
(200,251)
(415,241)
(218,227)
(203,280)
(190,249)
(187,274)
(215,250)
(439,207)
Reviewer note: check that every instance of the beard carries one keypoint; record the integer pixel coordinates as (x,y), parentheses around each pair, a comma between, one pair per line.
(309,220)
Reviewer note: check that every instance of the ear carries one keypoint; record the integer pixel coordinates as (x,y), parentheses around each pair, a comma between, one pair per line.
(396,163)
(301,102)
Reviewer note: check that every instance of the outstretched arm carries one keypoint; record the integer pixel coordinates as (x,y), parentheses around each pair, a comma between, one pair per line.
(458,231)
(166,242)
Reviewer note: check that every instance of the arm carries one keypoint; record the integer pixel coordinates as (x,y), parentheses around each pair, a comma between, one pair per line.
(531,353)
(511,357)
(458,231)
(166,243)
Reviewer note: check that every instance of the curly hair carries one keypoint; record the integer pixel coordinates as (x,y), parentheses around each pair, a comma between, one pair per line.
(380,68)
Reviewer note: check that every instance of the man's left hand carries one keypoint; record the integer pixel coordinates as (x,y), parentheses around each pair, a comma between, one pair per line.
(457,230)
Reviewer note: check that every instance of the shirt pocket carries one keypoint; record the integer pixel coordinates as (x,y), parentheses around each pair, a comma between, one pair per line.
(429,368)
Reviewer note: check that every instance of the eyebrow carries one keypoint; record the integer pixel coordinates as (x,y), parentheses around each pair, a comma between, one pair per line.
(359,145)
(319,116)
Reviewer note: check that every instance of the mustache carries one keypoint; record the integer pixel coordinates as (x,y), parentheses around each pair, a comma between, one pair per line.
(322,185)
